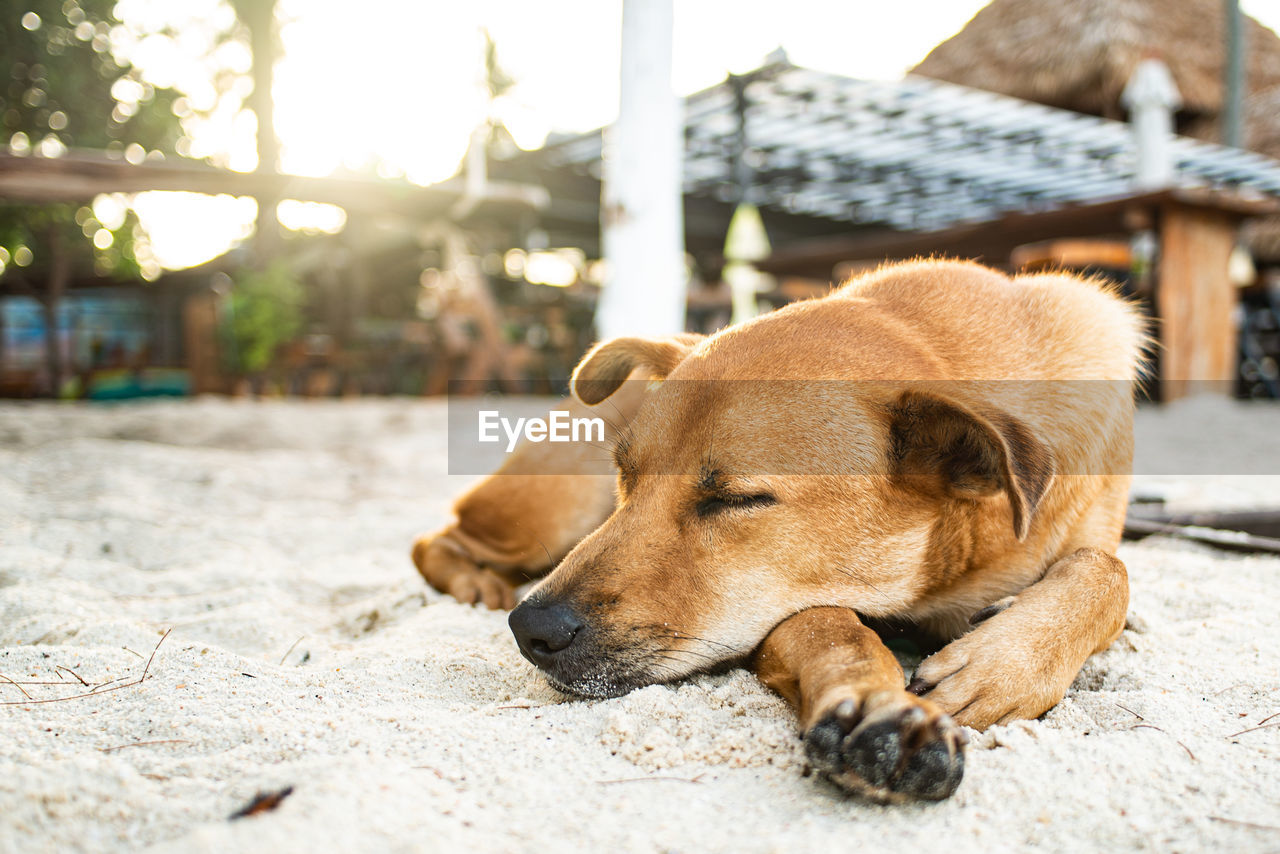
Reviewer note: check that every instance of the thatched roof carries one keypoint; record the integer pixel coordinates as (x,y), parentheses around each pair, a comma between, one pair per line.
(1079,55)
(1262,122)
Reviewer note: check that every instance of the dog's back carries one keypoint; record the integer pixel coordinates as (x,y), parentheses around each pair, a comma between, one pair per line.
(983,325)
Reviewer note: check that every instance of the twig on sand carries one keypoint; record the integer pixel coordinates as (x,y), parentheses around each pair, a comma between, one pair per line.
(1130,711)
(1254,728)
(94,692)
(1254,825)
(144,743)
(101,685)
(59,668)
(1157,729)
(16,685)
(1268,717)
(697,779)
(292,648)
(525,706)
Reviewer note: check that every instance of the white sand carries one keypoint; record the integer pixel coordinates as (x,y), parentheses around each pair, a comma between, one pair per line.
(306,652)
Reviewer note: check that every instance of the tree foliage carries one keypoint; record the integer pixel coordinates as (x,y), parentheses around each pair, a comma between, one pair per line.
(65,83)
(266,312)
(63,87)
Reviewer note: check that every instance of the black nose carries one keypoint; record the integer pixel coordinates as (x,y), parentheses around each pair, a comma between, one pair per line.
(544,631)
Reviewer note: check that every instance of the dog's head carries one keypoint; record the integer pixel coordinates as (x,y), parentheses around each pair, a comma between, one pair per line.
(742,501)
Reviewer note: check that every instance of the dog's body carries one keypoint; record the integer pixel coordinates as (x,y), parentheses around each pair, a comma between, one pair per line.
(933,444)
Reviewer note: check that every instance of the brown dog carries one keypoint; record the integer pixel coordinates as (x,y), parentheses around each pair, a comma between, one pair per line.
(933,445)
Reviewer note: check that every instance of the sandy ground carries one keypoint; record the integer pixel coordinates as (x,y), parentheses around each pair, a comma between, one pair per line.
(305,652)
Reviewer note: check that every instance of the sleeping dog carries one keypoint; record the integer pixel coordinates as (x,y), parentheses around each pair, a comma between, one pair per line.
(934,446)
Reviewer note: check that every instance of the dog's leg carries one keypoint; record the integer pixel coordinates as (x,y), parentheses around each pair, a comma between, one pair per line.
(860,727)
(510,529)
(1020,659)
(519,522)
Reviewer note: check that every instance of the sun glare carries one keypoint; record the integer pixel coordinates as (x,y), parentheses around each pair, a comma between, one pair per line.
(186,229)
(383,83)
(311,217)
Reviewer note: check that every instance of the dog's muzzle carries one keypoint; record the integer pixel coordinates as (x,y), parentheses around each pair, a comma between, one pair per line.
(544,632)
(577,657)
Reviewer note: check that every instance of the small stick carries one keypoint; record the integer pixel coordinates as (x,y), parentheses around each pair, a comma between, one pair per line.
(16,685)
(1254,728)
(292,648)
(1268,717)
(153,653)
(697,779)
(60,668)
(144,743)
(95,692)
(1157,729)
(1130,711)
(72,697)
(131,652)
(105,684)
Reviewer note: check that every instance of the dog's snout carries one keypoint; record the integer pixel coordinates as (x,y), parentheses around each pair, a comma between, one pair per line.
(544,631)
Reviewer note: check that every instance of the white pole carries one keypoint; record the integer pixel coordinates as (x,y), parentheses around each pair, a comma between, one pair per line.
(1151,97)
(641,215)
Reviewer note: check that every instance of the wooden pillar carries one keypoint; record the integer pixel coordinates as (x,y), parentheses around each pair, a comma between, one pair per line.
(1196,302)
(200,342)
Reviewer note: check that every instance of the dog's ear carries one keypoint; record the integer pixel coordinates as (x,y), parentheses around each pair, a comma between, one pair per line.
(976,454)
(610,362)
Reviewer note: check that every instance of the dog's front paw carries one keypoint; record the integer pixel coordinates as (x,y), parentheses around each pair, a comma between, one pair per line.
(448,568)
(890,747)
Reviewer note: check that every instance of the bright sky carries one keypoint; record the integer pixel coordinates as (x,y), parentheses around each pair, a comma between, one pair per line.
(398,82)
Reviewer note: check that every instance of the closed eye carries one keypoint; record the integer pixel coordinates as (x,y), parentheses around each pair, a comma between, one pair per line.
(716,504)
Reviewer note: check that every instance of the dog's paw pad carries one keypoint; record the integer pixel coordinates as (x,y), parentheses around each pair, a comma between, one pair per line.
(889,749)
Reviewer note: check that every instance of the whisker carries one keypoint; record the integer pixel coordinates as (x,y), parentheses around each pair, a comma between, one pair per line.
(844,570)
(710,658)
(626,422)
(550,560)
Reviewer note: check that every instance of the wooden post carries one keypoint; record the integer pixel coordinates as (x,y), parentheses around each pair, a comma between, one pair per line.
(51,301)
(200,341)
(1196,302)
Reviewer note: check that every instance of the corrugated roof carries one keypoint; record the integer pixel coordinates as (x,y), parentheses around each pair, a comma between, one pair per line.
(915,154)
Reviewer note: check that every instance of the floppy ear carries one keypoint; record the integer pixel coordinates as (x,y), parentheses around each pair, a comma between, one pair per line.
(610,362)
(976,454)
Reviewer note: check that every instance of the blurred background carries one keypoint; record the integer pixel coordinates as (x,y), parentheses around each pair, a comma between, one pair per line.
(325,199)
